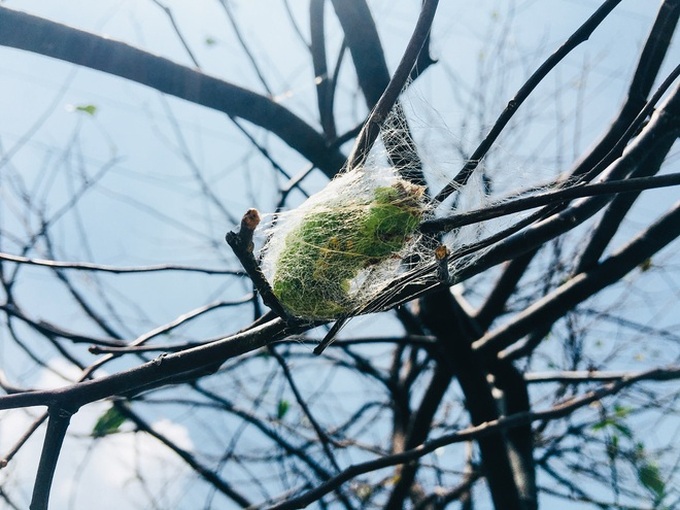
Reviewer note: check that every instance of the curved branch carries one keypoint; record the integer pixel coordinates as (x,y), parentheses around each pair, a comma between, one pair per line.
(39,35)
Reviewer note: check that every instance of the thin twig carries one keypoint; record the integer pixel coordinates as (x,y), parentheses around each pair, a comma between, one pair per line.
(244,46)
(325,440)
(87,266)
(178,32)
(471,433)
(330,336)
(32,428)
(590,376)
(215,481)
(579,36)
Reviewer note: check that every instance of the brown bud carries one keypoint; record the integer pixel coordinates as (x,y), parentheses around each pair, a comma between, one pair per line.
(250,220)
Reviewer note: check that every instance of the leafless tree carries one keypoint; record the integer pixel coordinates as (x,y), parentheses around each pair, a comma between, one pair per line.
(542,369)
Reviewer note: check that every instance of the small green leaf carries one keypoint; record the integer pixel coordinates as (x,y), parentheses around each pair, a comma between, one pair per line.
(210,41)
(622,411)
(90,109)
(649,476)
(615,421)
(646,265)
(606,422)
(109,422)
(624,429)
(283,407)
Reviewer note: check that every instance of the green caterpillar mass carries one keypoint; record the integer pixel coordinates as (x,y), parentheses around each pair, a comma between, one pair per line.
(331,246)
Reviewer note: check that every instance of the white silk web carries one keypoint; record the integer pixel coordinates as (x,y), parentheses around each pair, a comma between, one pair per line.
(341,251)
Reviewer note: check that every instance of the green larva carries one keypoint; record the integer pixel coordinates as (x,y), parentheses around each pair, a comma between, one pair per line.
(330,247)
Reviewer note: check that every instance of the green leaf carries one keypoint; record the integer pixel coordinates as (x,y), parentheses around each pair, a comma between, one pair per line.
(646,265)
(283,407)
(650,478)
(90,109)
(210,41)
(624,429)
(615,421)
(109,422)
(622,411)
(602,424)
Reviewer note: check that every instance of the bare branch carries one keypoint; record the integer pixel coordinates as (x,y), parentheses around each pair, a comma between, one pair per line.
(17,30)
(371,128)
(470,433)
(579,36)
(584,285)
(88,266)
(57,425)
(632,185)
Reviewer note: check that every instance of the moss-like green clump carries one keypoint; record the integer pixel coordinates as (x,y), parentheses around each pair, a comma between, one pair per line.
(329,248)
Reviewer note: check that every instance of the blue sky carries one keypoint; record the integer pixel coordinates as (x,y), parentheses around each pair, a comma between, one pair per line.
(148,206)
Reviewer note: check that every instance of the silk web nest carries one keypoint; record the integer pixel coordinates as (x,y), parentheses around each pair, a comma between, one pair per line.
(349,248)
(340,249)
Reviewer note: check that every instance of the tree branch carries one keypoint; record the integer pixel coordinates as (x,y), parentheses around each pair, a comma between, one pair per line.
(32,33)
(583,285)
(57,425)
(471,433)
(156,373)
(579,36)
(371,128)
(621,186)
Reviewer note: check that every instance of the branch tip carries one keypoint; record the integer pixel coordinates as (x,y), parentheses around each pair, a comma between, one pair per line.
(241,243)
(250,220)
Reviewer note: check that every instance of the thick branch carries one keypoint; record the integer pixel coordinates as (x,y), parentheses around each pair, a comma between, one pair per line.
(32,33)
(324,80)
(196,361)
(361,37)
(454,330)
(586,284)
